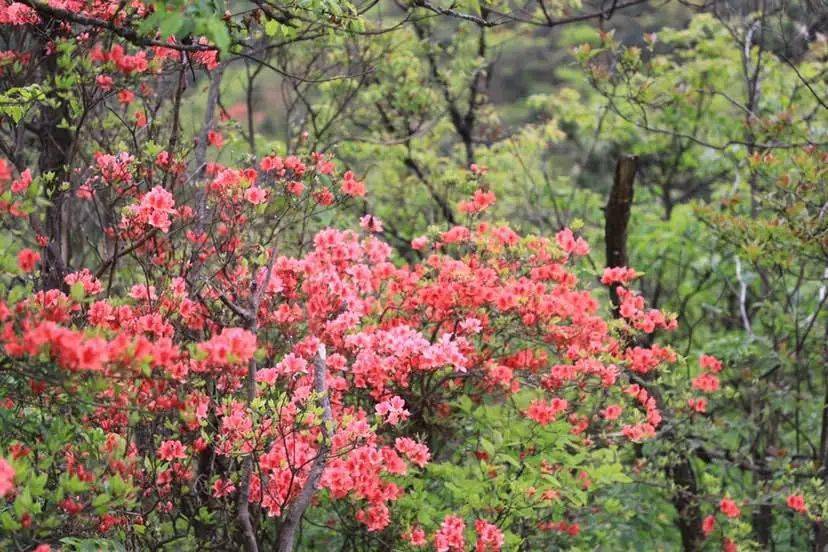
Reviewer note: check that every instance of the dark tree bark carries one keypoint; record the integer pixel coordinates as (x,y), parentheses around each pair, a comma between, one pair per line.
(821,528)
(55,142)
(617,213)
(684,500)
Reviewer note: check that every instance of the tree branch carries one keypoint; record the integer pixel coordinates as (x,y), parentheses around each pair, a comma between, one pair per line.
(293,518)
(123,32)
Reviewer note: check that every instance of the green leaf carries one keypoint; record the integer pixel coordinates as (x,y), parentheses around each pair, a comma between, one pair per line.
(101,501)
(170,24)
(218,33)
(117,484)
(77,292)
(272,27)
(8,523)
(75,485)
(487,447)
(23,503)
(37,484)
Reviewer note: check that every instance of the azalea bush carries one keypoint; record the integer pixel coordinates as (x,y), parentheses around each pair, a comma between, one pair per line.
(191,359)
(219,408)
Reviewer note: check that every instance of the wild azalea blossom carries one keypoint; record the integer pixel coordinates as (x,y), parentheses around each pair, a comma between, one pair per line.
(450,536)
(708,524)
(489,537)
(706,382)
(6,478)
(479,202)
(191,356)
(332,292)
(27,259)
(729,508)
(91,285)
(796,502)
(393,410)
(618,275)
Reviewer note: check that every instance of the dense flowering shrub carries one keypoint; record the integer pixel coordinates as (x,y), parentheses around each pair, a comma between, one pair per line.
(281,381)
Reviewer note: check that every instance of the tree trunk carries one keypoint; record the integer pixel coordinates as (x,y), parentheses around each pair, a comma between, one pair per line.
(293,519)
(55,143)
(821,528)
(689,519)
(617,213)
(617,217)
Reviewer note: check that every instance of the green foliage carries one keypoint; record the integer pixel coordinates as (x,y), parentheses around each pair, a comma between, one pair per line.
(16,102)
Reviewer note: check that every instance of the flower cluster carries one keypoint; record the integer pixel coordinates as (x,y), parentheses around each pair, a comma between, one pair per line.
(153,209)
(708,380)
(479,202)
